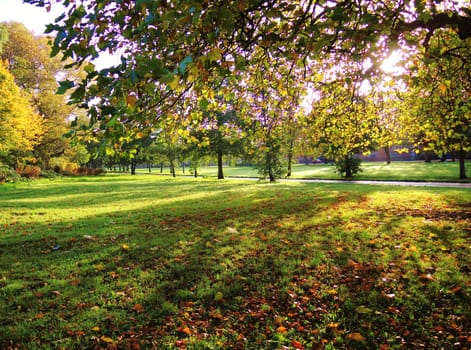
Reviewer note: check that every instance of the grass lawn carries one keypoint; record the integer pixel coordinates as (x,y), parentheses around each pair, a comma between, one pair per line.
(150,262)
(396,171)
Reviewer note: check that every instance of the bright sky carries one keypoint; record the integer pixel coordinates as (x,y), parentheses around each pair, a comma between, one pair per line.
(34,18)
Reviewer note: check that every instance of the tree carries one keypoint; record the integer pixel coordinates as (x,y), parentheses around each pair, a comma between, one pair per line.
(167,48)
(343,123)
(3,36)
(28,58)
(20,127)
(441,97)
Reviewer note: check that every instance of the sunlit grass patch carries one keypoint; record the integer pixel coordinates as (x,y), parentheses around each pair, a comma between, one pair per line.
(150,261)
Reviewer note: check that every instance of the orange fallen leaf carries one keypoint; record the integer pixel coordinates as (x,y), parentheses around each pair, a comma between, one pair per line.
(185,330)
(282,330)
(40,315)
(356,336)
(138,308)
(74,283)
(297,344)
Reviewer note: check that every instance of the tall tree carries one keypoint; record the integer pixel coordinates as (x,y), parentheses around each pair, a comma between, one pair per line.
(28,58)
(343,123)
(21,127)
(441,97)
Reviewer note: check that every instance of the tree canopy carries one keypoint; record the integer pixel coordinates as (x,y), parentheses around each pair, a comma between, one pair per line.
(176,50)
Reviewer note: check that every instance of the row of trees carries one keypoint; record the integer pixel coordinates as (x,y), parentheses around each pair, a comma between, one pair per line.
(270,78)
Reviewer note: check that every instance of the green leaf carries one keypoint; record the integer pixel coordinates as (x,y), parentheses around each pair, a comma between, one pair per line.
(362,309)
(64,86)
(184,64)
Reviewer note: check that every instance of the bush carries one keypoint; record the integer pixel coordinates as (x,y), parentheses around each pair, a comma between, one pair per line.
(49,174)
(73,170)
(348,166)
(29,171)
(7,174)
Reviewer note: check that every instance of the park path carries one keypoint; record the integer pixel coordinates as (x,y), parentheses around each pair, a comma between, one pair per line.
(371,182)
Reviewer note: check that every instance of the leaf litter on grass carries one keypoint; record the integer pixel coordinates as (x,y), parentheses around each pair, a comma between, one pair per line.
(284,266)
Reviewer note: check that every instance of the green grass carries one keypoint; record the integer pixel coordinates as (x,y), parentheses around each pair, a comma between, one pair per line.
(151,262)
(396,171)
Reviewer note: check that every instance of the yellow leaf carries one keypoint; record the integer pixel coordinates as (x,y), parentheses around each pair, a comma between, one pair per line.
(214,55)
(124,247)
(175,83)
(442,88)
(99,267)
(218,296)
(96,329)
(106,339)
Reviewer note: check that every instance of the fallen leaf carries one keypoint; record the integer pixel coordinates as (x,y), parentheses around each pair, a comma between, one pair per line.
(74,283)
(426,277)
(106,339)
(297,344)
(356,336)
(218,296)
(138,308)
(282,330)
(96,329)
(362,309)
(39,316)
(185,330)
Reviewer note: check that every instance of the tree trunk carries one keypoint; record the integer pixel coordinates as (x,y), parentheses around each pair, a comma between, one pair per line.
(196,172)
(149,166)
(161,167)
(220,172)
(387,151)
(133,167)
(348,168)
(461,155)
(172,168)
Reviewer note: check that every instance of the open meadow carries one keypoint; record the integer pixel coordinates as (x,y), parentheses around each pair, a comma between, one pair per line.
(153,262)
(396,171)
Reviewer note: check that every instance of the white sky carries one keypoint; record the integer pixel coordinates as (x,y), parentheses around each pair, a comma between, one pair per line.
(34,18)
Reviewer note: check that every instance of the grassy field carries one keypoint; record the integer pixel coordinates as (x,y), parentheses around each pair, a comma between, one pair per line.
(150,262)
(396,171)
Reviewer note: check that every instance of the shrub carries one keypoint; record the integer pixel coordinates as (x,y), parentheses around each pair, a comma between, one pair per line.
(7,174)
(348,166)
(29,171)
(73,170)
(49,174)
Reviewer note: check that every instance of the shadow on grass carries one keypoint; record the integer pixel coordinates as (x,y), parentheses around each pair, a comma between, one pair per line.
(237,265)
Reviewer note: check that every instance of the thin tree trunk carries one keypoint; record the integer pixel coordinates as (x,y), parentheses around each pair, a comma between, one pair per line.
(172,168)
(461,155)
(387,151)
(220,170)
(348,168)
